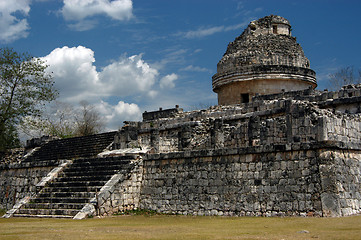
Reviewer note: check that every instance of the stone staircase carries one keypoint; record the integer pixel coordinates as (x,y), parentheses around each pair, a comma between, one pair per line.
(71,148)
(73,188)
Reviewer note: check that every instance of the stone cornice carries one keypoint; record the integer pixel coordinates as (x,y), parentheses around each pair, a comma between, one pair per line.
(259,72)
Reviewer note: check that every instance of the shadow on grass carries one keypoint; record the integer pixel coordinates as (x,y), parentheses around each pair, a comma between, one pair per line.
(2,212)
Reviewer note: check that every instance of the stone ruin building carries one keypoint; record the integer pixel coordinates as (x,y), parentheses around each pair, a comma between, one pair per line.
(274,146)
(264,59)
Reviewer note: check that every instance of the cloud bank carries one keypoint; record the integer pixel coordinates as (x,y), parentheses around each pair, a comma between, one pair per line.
(77,79)
(79,12)
(207,31)
(80,15)
(12,26)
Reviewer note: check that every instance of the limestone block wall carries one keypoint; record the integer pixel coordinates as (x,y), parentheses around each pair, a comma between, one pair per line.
(233,183)
(122,192)
(344,128)
(168,140)
(273,122)
(340,172)
(290,117)
(19,180)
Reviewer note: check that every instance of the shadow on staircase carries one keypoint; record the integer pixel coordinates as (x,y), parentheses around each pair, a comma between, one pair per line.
(71,148)
(74,187)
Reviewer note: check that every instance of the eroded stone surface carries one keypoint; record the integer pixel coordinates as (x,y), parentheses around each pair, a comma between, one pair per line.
(264,59)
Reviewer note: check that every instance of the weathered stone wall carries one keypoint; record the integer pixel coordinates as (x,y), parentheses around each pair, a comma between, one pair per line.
(172,112)
(123,193)
(19,180)
(234,183)
(340,172)
(275,122)
(299,117)
(344,128)
(283,183)
(269,157)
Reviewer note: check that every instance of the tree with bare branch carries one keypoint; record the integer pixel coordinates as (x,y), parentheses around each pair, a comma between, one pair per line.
(88,121)
(344,76)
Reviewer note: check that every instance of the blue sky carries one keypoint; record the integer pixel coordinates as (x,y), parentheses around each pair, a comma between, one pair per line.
(127,57)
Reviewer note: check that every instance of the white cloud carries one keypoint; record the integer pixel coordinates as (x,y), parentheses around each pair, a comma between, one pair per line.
(80,10)
(235,27)
(75,75)
(207,31)
(116,115)
(128,75)
(152,93)
(77,78)
(168,81)
(12,27)
(203,32)
(192,68)
(83,25)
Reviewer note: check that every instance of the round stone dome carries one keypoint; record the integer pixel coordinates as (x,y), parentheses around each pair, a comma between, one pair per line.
(264,59)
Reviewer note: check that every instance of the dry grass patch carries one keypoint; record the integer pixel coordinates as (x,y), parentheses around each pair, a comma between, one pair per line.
(182,227)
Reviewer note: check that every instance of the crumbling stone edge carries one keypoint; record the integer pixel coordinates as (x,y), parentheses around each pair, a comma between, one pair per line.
(189,154)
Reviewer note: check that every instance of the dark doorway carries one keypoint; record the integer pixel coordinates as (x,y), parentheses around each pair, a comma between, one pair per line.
(244,98)
(275,29)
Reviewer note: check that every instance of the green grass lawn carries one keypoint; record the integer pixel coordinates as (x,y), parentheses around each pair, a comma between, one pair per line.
(182,227)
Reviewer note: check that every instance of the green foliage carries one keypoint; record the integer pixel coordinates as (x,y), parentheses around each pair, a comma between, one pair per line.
(9,139)
(24,88)
(2,212)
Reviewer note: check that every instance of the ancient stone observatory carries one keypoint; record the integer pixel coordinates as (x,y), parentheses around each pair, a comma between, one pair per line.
(276,153)
(264,59)
(292,153)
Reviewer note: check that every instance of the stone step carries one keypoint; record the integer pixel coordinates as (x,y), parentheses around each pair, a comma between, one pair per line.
(85,168)
(41,216)
(76,184)
(68,212)
(87,146)
(73,189)
(61,200)
(100,162)
(83,178)
(105,159)
(100,165)
(66,194)
(94,172)
(47,205)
